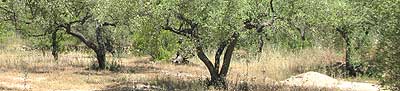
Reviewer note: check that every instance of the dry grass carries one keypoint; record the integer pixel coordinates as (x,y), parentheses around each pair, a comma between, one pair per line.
(31,70)
(280,64)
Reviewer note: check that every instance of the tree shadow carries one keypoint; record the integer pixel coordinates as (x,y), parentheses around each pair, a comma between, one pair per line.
(177,84)
(2,88)
(160,84)
(137,69)
(131,86)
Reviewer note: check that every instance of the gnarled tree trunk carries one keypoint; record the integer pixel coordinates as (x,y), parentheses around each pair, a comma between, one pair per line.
(218,75)
(99,49)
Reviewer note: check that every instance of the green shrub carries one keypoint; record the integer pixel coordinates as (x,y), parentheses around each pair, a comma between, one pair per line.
(389,59)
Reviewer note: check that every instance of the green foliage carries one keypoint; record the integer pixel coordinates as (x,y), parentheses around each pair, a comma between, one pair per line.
(385,14)
(389,58)
(2,33)
(160,45)
(5,35)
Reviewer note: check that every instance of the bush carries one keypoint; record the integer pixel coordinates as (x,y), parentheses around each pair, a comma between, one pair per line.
(389,59)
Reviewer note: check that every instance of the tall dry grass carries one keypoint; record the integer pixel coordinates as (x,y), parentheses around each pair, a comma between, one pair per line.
(248,72)
(264,71)
(279,64)
(36,61)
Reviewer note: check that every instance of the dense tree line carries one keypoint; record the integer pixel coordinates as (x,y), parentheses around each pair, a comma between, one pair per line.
(367,30)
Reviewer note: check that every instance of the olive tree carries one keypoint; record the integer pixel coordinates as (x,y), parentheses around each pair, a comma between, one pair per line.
(30,21)
(213,24)
(337,24)
(94,23)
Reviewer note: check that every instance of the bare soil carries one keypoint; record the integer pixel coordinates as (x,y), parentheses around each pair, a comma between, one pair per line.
(315,79)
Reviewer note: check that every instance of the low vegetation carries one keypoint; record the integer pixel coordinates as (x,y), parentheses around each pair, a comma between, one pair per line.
(31,70)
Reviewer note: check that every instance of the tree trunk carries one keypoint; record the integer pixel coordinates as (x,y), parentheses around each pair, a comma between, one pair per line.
(101,59)
(228,55)
(101,50)
(54,45)
(218,81)
(260,43)
(207,62)
(349,66)
(218,54)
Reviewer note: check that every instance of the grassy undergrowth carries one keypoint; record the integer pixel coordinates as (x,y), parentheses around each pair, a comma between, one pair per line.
(33,70)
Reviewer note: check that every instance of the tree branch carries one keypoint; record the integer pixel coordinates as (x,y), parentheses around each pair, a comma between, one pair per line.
(176,31)
(342,33)
(302,31)
(110,24)
(249,24)
(80,37)
(206,61)
(218,54)
(82,21)
(38,35)
(188,21)
(228,54)
(187,32)
(272,8)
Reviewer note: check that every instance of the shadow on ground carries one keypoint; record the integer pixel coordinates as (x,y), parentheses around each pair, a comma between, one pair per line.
(176,84)
(139,69)
(2,88)
(159,84)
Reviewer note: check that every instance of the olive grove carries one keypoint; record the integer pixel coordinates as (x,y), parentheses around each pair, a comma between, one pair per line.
(364,32)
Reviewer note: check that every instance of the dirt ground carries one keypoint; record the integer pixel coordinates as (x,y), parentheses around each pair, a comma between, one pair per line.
(31,71)
(74,77)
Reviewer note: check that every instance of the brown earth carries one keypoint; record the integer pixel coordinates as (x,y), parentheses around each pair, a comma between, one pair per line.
(34,71)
